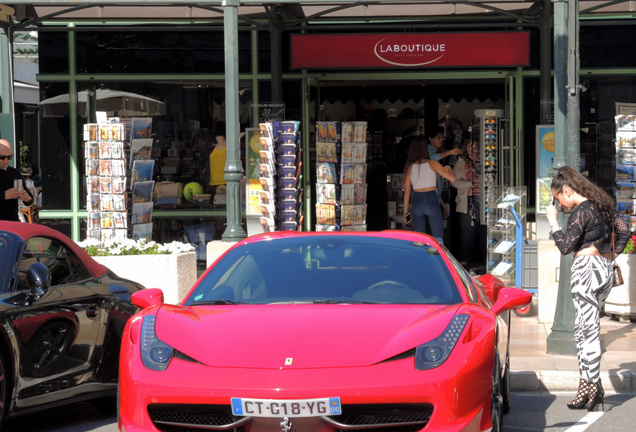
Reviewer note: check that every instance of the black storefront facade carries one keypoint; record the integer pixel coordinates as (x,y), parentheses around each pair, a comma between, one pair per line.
(180,62)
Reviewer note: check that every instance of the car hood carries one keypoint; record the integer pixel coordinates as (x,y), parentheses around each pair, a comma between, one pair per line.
(268,336)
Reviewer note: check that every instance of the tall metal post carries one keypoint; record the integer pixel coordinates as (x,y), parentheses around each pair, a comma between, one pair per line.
(233,167)
(566,126)
(276,38)
(7,110)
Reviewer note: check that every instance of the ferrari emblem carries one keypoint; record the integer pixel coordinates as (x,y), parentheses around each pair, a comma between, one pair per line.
(286,425)
(288,361)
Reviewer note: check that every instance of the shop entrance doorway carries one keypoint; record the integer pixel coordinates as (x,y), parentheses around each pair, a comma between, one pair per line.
(396,111)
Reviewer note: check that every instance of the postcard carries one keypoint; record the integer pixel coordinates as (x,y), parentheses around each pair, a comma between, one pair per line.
(105,150)
(142,191)
(347,194)
(142,170)
(346,155)
(106,167)
(107,220)
(119,185)
(142,231)
(325,193)
(142,212)
(326,152)
(141,128)
(119,202)
(141,149)
(105,185)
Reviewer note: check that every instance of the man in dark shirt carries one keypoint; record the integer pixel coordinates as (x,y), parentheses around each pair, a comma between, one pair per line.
(9,194)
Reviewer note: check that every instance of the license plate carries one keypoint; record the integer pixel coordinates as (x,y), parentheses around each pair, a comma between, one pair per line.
(286,408)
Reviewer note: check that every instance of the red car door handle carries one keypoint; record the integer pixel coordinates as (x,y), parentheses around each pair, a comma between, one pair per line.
(91,312)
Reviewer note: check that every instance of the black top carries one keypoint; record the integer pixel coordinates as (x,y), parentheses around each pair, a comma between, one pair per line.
(586,227)
(9,208)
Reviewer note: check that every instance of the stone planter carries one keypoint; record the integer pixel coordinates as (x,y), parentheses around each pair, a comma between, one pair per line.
(621,303)
(174,274)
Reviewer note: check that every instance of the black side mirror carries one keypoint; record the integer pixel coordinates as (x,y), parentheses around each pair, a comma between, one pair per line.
(39,279)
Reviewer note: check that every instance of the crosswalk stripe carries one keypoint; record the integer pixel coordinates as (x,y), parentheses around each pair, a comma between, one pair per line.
(585,422)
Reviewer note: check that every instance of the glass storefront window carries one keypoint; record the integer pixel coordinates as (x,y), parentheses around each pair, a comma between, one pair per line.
(53,51)
(157,51)
(54,148)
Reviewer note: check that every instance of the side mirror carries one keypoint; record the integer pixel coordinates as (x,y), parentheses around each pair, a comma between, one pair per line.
(38,279)
(147,297)
(510,298)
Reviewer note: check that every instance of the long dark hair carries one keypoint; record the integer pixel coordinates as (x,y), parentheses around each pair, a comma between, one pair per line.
(418,150)
(568,176)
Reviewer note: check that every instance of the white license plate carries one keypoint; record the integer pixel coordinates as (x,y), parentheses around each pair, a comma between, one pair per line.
(286,408)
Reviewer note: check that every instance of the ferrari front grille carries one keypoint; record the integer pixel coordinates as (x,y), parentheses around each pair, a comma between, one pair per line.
(378,417)
(382,417)
(194,418)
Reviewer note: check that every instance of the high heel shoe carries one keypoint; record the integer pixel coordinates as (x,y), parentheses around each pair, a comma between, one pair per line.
(595,397)
(582,395)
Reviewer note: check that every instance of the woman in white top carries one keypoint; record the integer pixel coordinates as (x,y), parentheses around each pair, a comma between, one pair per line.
(421,179)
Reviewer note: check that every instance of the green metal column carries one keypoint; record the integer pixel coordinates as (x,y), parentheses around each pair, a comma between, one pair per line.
(561,340)
(233,167)
(7,114)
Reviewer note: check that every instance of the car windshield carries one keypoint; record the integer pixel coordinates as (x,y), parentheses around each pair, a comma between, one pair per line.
(329,269)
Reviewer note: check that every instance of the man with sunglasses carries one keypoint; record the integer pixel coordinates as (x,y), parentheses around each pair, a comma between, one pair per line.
(9,194)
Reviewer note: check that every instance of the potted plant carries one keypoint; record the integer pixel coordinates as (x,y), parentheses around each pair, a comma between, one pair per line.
(171,266)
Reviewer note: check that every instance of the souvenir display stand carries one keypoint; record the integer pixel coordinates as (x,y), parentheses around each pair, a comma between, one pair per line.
(506,219)
(105,181)
(341,171)
(621,302)
(280,178)
(626,169)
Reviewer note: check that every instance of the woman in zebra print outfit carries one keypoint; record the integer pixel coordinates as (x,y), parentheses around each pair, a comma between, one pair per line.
(589,236)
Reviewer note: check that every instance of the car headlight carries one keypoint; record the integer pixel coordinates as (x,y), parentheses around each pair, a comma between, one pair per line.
(432,354)
(155,354)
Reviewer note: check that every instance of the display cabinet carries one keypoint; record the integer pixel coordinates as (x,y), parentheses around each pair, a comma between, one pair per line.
(506,219)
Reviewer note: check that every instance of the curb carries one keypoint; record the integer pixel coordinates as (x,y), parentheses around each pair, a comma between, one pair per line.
(568,381)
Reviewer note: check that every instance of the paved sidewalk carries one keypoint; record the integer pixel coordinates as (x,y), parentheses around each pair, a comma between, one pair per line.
(534,370)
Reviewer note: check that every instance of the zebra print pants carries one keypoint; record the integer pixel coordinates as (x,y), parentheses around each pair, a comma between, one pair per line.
(591,283)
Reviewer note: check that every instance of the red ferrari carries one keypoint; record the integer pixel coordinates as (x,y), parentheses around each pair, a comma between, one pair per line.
(331,332)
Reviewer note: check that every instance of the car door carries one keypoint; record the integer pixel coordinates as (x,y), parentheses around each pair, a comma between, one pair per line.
(56,333)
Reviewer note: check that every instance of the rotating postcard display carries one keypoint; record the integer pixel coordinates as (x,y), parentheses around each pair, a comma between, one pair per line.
(280,177)
(341,172)
(106,181)
(626,168)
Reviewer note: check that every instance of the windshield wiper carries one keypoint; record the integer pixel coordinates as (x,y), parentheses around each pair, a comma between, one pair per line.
(332,301)
(216,302)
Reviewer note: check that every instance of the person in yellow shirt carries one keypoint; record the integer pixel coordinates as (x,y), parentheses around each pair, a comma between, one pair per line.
(217,159)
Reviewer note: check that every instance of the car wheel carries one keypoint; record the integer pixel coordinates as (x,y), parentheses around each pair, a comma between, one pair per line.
(496,402)
(505,383)
(49,344)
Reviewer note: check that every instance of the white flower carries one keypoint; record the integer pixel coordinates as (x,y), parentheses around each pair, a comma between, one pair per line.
(133,247)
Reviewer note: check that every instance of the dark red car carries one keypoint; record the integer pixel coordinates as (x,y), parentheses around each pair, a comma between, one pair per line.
(62,315)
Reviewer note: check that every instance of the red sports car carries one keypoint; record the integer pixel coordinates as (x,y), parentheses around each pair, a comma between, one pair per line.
(62,317)
(331,332)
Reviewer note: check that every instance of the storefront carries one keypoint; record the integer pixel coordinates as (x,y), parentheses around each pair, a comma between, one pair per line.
(174,59)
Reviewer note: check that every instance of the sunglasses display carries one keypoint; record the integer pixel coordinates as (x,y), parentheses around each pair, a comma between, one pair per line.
(3,157)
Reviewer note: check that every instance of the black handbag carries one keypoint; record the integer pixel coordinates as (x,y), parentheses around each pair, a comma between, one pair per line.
(616,270)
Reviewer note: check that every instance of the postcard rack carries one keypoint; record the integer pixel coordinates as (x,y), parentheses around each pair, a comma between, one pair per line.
(280,176)
(341,171)
(626,169)
(105,181)
(506,218)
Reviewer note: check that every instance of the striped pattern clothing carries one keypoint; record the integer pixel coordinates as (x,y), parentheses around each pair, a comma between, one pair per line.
(590,285)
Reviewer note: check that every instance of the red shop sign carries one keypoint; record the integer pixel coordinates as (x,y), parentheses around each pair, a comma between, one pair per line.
(410,50)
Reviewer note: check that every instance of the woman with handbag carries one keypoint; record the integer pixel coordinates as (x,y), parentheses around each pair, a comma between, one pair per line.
(589,236)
